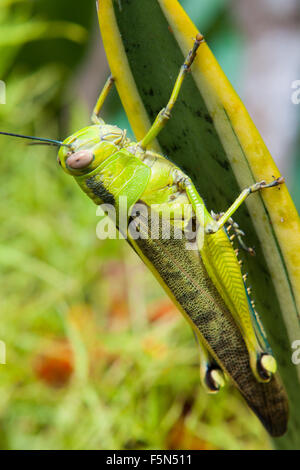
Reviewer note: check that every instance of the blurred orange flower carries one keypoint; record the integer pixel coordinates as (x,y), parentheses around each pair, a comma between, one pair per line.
(55,364)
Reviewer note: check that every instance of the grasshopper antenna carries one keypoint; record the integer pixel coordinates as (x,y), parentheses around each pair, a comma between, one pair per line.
(41,140)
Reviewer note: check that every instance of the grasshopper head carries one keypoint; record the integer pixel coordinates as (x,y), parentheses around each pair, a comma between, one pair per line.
(85,150)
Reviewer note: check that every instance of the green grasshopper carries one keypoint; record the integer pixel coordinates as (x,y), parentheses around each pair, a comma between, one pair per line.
(206,284)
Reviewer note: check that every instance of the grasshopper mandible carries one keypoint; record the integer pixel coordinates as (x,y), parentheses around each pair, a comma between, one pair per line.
(207,285)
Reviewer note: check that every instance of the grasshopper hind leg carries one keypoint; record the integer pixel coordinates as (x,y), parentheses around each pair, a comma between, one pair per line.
(224,268)
(165,114)
(211,376)
(261,359)
(231,225)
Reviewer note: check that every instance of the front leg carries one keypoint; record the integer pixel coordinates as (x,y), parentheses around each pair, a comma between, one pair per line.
(238,233)
(211,375)
(102,97)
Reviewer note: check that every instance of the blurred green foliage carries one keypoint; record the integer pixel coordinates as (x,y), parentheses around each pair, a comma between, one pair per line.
(96,355)
(295,170)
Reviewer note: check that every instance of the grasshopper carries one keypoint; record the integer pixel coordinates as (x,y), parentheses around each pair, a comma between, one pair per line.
(206,284)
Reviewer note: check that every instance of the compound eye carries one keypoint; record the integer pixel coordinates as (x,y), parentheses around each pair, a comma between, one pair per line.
(80,159)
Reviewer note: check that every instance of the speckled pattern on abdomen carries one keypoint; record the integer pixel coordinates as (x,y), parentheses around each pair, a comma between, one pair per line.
(183,272)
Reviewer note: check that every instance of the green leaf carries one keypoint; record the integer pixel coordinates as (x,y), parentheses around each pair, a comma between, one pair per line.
(213,139)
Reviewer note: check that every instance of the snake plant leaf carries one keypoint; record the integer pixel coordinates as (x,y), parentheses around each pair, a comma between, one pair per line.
(213,139)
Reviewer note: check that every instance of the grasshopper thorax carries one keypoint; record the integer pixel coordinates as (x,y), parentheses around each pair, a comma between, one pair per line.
(85,150)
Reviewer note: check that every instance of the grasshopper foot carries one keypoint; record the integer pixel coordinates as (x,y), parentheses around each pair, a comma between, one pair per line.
(263,185)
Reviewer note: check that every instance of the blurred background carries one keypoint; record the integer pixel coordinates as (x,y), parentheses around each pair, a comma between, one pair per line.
(97,356)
